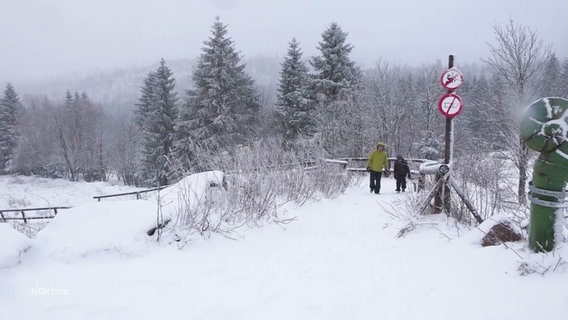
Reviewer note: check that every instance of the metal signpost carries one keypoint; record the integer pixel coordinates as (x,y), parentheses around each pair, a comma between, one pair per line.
(449,105)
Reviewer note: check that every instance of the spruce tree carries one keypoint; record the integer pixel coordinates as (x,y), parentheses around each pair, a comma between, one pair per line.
(10,111)
(222,107)
(294,110)
(334,92)
(156,116)
(336,75)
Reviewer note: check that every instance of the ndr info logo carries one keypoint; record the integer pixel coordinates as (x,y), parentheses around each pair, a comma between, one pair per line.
(49,291)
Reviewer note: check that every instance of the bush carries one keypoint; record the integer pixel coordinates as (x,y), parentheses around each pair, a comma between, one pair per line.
(260,178)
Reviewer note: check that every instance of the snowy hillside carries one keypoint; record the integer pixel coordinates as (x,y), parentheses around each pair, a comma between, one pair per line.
(338,259)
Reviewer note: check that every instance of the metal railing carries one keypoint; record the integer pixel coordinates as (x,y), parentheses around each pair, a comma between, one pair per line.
(137,193)
(349,164)
(4,218)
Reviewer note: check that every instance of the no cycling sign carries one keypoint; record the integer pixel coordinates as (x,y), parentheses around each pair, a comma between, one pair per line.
(450,105)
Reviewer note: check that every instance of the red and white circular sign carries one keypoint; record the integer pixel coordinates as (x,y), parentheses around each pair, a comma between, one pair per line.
(451,79)
(450,105)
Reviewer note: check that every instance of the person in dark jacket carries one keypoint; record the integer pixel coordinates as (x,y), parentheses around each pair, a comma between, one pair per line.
(401,171)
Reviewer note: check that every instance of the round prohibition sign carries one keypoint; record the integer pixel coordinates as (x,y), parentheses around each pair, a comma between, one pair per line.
(451,79)
(450,105)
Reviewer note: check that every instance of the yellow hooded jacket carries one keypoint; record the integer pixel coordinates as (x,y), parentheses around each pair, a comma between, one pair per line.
(378,159)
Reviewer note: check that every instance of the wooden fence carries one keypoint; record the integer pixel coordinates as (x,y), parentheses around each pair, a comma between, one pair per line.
(360,164)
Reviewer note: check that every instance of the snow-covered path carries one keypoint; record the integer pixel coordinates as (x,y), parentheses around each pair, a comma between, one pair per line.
(340,260)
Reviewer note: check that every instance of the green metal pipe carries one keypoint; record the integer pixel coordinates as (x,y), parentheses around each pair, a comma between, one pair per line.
(544,128)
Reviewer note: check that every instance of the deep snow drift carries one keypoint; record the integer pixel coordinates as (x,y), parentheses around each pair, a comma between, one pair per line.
(339,259)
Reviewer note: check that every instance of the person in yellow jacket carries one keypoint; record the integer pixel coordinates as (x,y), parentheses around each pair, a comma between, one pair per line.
(376,164)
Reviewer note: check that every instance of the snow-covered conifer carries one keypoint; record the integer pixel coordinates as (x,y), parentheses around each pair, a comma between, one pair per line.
(334,91)
(295,111)
(222,107)
(336,75)
(156,116)
(10,110)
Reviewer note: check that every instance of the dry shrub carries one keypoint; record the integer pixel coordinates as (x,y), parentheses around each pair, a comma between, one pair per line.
(260,178)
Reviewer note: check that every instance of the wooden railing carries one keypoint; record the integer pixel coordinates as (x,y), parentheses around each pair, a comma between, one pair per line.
(360,165)
(4,218)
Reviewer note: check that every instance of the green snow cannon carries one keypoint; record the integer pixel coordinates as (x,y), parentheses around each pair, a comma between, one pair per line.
(544,128)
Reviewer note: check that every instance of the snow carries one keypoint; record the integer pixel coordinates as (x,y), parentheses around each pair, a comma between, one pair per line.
(30,192)
(95,228)
(339,259)
(190,191)
(12,245)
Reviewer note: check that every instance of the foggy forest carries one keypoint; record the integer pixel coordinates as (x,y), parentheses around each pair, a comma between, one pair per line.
(152,125)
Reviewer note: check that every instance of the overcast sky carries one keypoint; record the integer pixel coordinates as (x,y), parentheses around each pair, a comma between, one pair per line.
(46,38)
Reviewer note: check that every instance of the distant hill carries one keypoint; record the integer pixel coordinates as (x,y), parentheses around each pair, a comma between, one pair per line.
(118,90)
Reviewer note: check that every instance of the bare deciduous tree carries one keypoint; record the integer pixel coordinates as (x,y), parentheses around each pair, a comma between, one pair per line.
(516,58)
(37,151)
(126,148)
(379,85)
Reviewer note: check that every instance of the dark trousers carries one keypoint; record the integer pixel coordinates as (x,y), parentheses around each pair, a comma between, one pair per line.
(375,184)
(400,183)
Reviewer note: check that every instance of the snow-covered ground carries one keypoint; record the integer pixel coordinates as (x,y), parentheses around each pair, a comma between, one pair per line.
(339,259)
(30,192)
